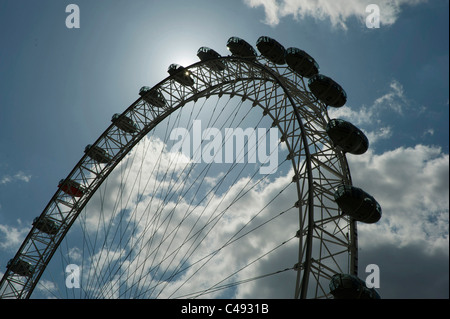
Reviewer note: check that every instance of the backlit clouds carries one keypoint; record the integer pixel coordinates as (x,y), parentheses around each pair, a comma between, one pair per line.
(393,101)
(412,186)
(170,231)
(410,183)
(336,11)
(11,237)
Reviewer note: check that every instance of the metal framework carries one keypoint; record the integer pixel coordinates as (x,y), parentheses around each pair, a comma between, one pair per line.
(327,239)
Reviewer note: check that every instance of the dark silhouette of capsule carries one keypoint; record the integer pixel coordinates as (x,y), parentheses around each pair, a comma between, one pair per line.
(20,267)
(347,136)
(345,286)
(206,54)
(71,188)
(98,154)
(124,123)
(153,97)
(240,48)
(271,49)
(327,90)
(301,62)
(45,225)
(357,204)
(180,74)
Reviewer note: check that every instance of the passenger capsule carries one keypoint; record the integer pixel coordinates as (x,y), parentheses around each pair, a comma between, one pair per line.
(206,54)
(180,74)
(20,267)
(124,123)
(71,188)
(345,286)
(347,136)
(240,48)
(45,225)
(152,96)
(327,90)
(98,154)
(357,204)
(301,62)
(271,49)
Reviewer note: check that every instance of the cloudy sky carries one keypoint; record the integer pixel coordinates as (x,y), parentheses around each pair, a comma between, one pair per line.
(59,88)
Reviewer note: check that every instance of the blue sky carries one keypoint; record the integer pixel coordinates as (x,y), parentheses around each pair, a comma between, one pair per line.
(59,88)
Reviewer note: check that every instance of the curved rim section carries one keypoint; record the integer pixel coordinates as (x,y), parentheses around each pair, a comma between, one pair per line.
(294,111)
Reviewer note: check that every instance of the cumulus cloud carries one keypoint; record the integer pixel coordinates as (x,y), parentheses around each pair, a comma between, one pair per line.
(186,236)
(412,186)
(173,241)
(411,241)
(171,238)
(381,133)
(394,100)
(11,237)
(337,11)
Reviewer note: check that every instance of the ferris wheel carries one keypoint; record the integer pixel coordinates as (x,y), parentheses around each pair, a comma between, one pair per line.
(222,179)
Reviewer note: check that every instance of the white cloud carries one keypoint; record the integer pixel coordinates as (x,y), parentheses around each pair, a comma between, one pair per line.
(75,255)
(48,287)
(369,118)
(336,11)
(394,100)
(411,184)
(428,132)
(183,221)
(19,176)
(411,241)
(5,179)
(12,237)
(406,180)
(382,133)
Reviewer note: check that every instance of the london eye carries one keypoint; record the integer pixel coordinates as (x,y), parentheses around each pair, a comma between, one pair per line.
(226,175)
